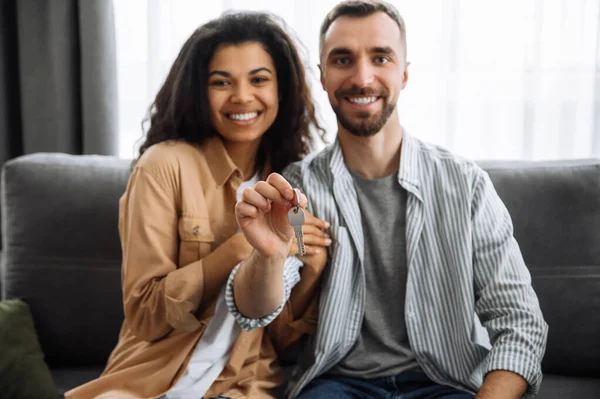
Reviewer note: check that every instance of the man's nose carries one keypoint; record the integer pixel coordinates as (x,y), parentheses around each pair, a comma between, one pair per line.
(363,74)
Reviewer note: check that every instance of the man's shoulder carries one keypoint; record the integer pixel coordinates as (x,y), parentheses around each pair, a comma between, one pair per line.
(314,165)
(438,160)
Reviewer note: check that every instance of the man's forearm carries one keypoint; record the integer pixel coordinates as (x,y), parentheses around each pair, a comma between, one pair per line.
(258,285)
(501,384)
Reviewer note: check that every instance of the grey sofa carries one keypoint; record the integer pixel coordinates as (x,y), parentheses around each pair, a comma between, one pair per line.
(62,253)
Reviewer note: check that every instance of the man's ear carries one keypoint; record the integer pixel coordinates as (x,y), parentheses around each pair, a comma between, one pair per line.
(405,75)
(322,76)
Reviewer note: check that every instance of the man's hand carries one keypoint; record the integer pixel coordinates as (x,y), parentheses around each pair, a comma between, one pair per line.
(262,216)
(501,384)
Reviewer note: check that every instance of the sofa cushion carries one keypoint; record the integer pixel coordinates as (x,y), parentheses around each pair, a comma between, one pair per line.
(63,253)
(560,387)
(555,208)
(69,378)
(23,371)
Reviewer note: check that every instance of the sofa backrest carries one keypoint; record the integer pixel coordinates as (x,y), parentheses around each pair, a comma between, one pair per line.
(62,252)
(555,208)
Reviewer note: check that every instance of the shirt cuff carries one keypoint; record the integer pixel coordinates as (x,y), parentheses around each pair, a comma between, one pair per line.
(516,360)
(291,277)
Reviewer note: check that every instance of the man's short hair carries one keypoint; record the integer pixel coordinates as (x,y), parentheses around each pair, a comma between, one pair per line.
(362,8)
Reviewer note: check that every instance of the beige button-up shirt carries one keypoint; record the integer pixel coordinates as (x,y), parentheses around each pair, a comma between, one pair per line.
(177,211)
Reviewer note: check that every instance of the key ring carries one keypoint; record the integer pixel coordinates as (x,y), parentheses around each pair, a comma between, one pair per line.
(297,199)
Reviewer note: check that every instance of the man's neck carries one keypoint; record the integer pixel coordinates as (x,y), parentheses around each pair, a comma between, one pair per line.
(376,156)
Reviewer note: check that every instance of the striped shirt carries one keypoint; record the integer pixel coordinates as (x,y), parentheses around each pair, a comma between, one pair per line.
(466,272)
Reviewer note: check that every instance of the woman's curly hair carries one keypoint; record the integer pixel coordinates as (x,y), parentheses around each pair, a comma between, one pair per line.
(181,110)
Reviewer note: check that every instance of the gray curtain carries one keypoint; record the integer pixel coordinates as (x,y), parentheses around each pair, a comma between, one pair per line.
(57,77)
(58,89)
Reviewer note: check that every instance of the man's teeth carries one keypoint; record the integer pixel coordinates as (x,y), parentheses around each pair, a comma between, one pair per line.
(243,117)
(362,100)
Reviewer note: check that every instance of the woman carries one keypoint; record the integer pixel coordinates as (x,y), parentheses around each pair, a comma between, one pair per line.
(234,107)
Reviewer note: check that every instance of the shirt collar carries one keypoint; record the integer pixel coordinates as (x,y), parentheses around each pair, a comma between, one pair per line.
(408,172)
(219,161)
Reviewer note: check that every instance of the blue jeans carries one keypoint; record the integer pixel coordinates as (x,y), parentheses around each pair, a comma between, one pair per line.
(411,384)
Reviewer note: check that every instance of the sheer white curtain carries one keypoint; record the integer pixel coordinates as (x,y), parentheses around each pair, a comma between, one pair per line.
(489,79)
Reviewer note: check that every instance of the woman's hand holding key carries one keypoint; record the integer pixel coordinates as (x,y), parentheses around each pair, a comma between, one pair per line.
(262,215)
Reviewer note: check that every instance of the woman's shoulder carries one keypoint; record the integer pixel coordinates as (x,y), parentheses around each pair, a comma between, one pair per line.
(170,162)
(169,155)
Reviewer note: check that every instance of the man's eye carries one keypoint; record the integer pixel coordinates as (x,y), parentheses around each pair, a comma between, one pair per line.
(382,60)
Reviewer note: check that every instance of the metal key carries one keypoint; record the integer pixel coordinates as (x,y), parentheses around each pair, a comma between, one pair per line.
(297,219)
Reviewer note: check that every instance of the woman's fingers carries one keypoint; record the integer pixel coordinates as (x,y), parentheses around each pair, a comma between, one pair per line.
(279,190)
(312,245)
(283,187)
(310,229)
(315,242)
(312,250)
(244,210)
(270,192)
(252,197)
(310,219)
(310,239)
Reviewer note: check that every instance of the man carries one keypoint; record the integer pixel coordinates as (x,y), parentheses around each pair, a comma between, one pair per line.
(423,252)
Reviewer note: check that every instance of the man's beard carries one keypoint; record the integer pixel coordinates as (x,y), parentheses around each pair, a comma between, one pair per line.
(363,124)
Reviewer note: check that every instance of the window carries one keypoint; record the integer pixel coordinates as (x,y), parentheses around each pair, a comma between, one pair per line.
(511,79)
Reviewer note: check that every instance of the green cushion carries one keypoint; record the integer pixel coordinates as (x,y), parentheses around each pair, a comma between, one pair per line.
(23,371)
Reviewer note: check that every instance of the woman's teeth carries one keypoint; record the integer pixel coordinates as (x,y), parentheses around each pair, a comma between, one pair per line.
(243,117)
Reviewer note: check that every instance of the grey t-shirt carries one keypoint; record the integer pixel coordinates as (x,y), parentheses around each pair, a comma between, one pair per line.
(382,348)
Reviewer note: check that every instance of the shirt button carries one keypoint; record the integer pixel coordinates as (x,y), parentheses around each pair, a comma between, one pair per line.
(196,230)
(411,315)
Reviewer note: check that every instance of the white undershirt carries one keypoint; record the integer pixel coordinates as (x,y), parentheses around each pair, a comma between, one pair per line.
(213,350)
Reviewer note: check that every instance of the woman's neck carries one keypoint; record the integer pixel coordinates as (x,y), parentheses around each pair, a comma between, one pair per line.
(243,155)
